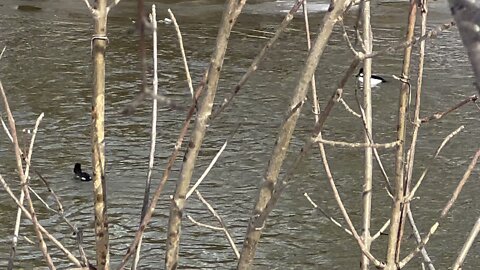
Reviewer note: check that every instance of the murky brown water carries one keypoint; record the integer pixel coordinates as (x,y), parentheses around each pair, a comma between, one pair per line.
(46,69)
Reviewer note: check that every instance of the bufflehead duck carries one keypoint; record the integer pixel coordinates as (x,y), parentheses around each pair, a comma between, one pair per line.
(374,80)
(79,174)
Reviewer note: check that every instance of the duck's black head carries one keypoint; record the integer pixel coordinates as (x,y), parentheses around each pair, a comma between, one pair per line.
(77,169)
(360,73)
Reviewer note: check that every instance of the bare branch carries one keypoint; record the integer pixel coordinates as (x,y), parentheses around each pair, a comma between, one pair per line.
(445,210)
(1,54)
(182,50)
(468,244)
(212,163)
(203,224)
(350,110)
(253,67)
(437,152)
(402,45)
(23,175)
(382,230)
(316,207)
(153,134)
(418,238)
(222,223)
(70,256)
(90,8)
(60,211)
(358,145)
(440,115)
(166,174)
(112,5)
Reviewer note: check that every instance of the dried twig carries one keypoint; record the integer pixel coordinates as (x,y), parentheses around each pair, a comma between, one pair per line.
(182,50)
(203,224)
(112,5)
(253,67)
(440,115)
(222,223)
(358,145)
(1,54)
(411,152)
(397,214)
(5,128)
(381,231)
(437,152)
(468,244)
(388,185)
(166,174)
(267,198)
(350,110)
(418,238)
(87,3)
(22,194)
(405,44)
(231,12)
(153,135)
(24,176)
(326,215)
(28,240)
(445,210)
(316,106)
(61,212)
(212,163)
(69,255)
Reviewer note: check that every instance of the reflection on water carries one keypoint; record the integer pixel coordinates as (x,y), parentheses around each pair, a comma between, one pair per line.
(47,69)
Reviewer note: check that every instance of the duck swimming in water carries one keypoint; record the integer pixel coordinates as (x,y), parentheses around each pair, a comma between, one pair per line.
(79,174)
(374,79)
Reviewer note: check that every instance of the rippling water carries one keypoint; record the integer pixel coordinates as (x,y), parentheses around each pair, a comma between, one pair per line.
(46,68)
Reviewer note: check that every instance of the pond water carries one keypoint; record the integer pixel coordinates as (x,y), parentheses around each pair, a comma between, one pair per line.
(46,68)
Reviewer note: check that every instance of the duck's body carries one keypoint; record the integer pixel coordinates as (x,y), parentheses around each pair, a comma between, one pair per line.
(79,174)
(374,79)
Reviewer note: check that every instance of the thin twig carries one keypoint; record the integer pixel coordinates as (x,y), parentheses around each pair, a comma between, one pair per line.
(418,238)
(445,210)
(212,163)
(466,247)
(358,145)
(347,39)
(437,152)
(70,256)
(402,45)
(182,50)
(222,223)
(6,129)
(381,231)
(388,185)
(232,10)
(440,115)
(203,224)
(23,175)
(87,3)
(61,212)
(112,5)
(153,135)
(22,194)
(334,221)
(49,189)
(28,240)
(350,110)
(411,152)
(166,174)
(253,67)
(1,54)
